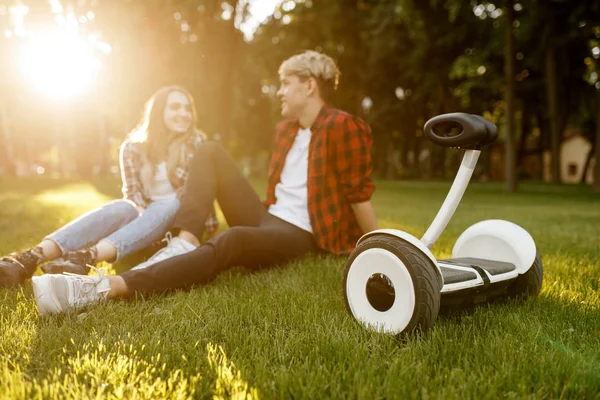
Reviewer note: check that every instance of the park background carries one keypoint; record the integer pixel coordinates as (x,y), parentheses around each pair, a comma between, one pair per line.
(75,74)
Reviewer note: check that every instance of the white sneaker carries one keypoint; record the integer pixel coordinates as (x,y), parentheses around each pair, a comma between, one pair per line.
(55,293)
(175,247)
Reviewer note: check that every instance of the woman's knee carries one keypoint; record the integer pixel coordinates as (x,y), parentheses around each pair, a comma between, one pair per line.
(123,207)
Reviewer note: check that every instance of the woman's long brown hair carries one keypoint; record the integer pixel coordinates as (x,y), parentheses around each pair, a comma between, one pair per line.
(156,139)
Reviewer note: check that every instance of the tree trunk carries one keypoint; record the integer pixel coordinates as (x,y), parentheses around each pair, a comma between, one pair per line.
(522,151)
(509,97)
(232,59)
(596,183)
(104,153)
(6,153)
(357,77)
(439,153)
(552,92)
(6,156)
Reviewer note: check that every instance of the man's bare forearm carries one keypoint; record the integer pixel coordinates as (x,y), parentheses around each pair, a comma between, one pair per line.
(365,216)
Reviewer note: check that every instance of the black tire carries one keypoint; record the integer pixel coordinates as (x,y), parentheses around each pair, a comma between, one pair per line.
(423,272)
(530,283)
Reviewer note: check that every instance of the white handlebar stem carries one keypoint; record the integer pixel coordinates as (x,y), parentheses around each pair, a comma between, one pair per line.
(452,199)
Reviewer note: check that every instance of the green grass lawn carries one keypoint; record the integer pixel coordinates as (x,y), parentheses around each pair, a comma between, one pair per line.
(285,333)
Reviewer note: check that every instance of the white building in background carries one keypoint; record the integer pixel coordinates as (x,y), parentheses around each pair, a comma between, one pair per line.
(574,150)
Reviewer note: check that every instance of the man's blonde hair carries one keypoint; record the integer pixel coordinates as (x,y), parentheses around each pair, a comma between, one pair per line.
(316,65)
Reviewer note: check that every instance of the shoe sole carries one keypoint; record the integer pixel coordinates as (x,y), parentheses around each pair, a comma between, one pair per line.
(150,261)
(43,287)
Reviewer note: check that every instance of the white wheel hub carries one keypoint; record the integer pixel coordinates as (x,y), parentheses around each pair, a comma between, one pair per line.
(380,261)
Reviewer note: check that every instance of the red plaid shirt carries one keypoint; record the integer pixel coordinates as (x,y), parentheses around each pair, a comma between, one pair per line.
(133,189)
(339,169)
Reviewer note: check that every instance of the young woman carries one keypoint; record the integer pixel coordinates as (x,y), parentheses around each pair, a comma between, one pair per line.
(154,167)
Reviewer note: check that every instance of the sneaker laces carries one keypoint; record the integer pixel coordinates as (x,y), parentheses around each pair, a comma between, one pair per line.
(85,256)
(169,250)
(86,285)
(168,238)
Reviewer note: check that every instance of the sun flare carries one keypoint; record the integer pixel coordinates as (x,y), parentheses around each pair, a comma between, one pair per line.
(59,65)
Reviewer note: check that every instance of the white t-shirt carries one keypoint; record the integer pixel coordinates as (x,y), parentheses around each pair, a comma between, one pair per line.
(161,185)
(291,191)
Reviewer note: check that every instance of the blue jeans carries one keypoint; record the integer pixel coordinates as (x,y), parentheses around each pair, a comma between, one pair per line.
(119,223)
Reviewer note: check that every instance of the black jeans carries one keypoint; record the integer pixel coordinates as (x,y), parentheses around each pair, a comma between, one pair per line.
(255,238)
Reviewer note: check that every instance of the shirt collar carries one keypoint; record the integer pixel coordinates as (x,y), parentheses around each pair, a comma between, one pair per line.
(317,123)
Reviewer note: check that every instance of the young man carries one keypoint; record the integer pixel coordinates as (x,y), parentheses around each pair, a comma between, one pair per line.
(318,200)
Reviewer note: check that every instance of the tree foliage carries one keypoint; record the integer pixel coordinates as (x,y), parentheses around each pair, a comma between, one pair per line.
(402,62)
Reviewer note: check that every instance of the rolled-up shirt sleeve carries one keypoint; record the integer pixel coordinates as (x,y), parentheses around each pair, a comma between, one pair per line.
(132,187)
(353,160)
